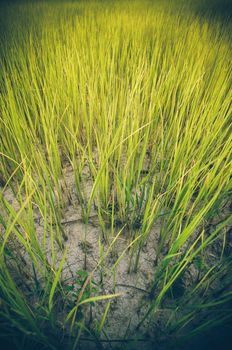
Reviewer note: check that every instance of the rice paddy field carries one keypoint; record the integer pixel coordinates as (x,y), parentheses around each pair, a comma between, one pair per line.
(115,174)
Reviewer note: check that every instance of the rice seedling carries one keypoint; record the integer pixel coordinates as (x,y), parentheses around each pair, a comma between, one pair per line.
(115,173)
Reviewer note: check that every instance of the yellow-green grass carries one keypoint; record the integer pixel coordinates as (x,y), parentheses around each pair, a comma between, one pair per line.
(140,93)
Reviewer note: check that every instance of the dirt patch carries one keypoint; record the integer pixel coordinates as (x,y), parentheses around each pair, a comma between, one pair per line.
(86,246)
